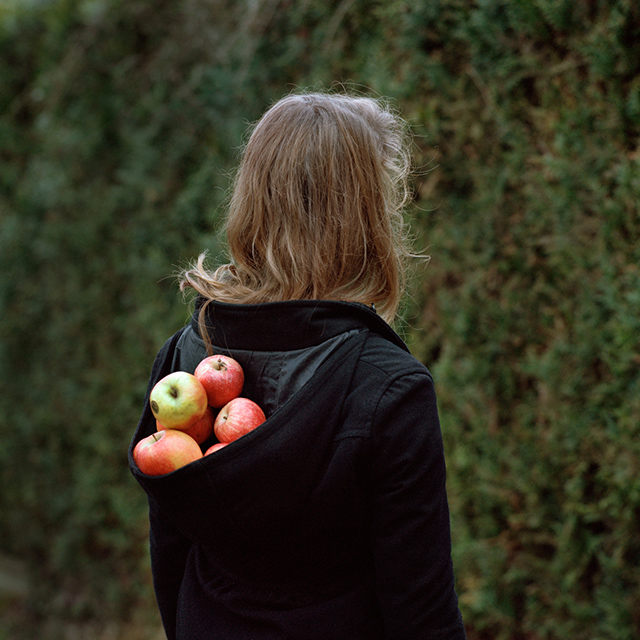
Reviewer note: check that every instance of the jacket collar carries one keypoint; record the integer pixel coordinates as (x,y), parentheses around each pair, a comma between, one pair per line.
(287,325)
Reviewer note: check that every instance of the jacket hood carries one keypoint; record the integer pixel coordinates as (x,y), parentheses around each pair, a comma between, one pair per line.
(246,500)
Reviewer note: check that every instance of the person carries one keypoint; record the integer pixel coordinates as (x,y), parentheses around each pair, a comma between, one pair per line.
(330,520)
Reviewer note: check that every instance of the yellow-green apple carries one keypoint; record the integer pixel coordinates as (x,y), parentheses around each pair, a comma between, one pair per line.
(215,447)
(178,400)
(200,431)
(237,418)
(165,451)
(222,377)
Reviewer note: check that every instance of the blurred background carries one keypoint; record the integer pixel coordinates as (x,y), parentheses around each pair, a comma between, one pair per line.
(120,126)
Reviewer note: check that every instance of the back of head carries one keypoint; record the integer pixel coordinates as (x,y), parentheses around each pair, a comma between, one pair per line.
(316,207)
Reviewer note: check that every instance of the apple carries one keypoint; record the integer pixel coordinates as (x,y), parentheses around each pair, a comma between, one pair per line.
(237,418)
(200,431)
(178,400)
(215,447)
(222,377)
(165,451)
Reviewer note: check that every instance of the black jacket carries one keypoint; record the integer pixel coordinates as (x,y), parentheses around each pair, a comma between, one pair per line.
(330,520)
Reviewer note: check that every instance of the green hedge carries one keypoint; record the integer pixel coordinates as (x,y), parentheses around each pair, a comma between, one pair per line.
(119,125)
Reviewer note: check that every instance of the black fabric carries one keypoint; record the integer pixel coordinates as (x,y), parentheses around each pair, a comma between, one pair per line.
(328,521)
(284,326)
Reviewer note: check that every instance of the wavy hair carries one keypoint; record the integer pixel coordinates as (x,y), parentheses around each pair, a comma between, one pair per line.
(316,207)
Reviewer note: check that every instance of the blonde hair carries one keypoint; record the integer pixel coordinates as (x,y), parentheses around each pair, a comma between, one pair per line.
(316,209)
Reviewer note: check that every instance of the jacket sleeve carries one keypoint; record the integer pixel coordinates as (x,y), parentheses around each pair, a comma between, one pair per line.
(410,516)
(169,550)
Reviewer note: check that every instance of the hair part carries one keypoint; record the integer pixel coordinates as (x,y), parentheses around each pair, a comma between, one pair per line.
(316,207)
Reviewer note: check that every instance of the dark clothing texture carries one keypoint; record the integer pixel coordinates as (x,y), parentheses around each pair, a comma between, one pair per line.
(330,520)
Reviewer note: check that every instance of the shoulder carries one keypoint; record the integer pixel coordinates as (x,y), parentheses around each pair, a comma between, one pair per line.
(385,379)
(386,361)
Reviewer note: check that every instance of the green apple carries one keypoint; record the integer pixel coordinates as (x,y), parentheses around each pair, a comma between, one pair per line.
(178,400)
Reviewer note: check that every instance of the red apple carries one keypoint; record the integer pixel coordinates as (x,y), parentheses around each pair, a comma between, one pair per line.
(222,377)
(237,418)
(165,451)
(199,431)
(178,400)
(215,447)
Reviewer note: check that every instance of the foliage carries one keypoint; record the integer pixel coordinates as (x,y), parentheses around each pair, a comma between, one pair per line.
(119,126)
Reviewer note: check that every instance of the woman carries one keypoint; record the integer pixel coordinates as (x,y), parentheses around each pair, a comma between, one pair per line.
(330,520)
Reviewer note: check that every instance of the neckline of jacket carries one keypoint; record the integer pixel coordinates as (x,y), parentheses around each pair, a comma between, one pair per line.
(288,324)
